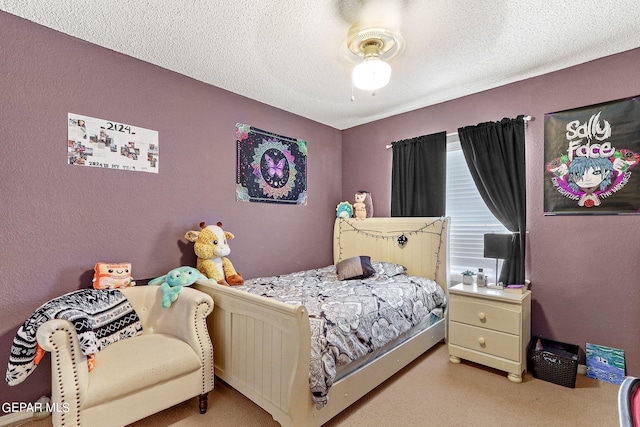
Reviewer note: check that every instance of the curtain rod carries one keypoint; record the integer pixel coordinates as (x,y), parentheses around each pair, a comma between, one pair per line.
(525,118)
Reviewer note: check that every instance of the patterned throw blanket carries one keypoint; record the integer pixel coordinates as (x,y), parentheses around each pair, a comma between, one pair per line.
(101,317)
(352,318)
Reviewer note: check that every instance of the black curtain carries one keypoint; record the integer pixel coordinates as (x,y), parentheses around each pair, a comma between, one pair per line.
(418,177)
(495,154)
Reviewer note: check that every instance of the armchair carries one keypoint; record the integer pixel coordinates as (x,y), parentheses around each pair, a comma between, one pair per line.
(170,362)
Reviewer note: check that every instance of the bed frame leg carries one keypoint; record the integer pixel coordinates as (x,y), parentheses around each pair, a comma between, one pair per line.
(203,402)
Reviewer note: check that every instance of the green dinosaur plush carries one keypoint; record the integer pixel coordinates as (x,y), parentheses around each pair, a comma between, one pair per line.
(172,283)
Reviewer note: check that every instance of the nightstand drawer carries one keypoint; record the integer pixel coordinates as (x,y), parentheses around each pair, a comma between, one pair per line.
(486,341)
(493,315)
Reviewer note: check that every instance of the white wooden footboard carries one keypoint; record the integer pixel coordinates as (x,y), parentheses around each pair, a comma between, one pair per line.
(262,348)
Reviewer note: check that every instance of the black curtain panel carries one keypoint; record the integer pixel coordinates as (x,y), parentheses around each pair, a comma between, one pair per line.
(418,177)
(494,152)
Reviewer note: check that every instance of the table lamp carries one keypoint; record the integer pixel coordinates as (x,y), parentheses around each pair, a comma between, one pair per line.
(497,246)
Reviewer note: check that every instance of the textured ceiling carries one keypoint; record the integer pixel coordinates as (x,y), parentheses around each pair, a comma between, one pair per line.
(291,54)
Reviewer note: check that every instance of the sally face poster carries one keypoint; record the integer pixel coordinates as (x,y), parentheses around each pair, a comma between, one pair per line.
(591,157)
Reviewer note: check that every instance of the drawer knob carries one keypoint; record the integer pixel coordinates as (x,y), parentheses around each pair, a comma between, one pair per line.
(481,340)
(481,316)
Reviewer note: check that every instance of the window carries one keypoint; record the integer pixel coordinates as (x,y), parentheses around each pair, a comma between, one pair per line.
(470,218)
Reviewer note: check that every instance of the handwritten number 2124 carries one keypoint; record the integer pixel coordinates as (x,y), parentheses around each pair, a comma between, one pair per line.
(119,127)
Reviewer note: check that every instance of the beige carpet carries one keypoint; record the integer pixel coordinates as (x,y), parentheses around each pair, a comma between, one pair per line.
(430,391)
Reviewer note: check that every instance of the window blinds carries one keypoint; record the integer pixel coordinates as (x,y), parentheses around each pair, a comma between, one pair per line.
(470,218)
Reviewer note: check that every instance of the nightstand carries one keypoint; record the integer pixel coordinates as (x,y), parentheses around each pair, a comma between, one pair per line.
(491,327)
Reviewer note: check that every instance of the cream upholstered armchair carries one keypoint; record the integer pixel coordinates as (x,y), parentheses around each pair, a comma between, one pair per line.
(170,362)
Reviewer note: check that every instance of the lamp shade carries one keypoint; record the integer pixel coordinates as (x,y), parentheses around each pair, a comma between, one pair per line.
(497,245)
(371,74)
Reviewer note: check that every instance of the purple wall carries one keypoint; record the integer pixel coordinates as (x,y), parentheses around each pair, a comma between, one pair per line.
(582,269)
(55,225)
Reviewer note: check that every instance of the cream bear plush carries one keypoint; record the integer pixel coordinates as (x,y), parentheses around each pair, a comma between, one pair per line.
(363,206)
(211,248)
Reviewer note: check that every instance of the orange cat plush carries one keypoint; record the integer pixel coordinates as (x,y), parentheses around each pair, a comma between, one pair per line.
(112,276)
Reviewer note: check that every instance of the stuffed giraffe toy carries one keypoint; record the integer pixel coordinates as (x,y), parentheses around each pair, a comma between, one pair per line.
(211,248)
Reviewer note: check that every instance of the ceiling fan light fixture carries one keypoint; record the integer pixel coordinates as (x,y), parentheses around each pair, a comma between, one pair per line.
(374,46)
(371,74)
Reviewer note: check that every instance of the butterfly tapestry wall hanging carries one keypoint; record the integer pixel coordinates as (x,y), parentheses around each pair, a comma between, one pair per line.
(270,168)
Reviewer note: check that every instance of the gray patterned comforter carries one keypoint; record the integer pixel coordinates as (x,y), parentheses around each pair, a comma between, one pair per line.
(352,318)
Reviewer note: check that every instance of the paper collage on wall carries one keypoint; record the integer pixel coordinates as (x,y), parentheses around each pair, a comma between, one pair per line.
(591,154)
(105,144)
(270,168)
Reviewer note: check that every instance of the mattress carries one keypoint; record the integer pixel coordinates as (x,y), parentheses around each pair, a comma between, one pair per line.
(353,321)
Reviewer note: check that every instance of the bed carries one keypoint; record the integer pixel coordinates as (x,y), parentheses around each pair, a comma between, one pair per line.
(263,346)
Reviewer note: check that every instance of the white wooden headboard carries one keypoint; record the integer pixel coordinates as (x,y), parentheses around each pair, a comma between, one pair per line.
(425,252)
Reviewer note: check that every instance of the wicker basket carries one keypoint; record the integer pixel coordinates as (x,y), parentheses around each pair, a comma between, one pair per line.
(557,362)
